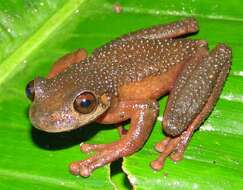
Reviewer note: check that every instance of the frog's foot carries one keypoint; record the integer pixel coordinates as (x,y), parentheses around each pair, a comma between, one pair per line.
(173,147)
(104,154)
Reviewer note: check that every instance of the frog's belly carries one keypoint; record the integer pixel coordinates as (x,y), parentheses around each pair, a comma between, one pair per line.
(151,87)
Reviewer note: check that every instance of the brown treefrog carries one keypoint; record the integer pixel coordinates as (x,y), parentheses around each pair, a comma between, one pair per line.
(122,80)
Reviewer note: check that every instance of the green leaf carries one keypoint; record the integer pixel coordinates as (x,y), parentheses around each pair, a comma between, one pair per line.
(34,33)
(30,158)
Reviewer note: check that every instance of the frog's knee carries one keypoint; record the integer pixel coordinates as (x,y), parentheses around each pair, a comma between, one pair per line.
(171,127)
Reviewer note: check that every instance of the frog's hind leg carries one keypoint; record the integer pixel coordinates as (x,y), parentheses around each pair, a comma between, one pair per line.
(218,63)
(67,60)
(172,30)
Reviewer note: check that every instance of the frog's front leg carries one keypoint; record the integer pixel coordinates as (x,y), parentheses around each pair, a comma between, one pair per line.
(87,148)
(84,147)
(142,115)
(193,96)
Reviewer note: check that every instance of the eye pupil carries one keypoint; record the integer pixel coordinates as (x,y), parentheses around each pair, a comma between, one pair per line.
(85,103)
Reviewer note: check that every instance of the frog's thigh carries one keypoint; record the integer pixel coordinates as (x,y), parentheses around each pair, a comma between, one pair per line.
(172,30)
(67,60)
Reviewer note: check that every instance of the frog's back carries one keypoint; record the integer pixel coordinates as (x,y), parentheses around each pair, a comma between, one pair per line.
(123,62)
(134,60)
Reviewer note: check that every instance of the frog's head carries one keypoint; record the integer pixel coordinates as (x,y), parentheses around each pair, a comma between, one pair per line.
(62,105)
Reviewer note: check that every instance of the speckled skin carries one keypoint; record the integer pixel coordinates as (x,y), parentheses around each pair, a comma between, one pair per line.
(193,87)
(123,62)
(126,76)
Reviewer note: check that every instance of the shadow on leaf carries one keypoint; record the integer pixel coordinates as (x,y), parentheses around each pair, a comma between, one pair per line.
(56,141)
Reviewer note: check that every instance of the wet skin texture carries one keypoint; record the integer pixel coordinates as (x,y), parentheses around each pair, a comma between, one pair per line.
(122,80)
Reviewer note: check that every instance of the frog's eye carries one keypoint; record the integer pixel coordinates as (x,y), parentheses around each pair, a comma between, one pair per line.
(30,90)
(85,102)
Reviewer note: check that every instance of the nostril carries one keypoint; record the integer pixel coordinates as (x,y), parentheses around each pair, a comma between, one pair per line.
(54,117)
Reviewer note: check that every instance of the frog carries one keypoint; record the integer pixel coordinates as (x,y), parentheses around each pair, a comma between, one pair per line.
(122,80)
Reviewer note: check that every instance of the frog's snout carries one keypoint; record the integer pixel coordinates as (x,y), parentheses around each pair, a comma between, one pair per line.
(50,122)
